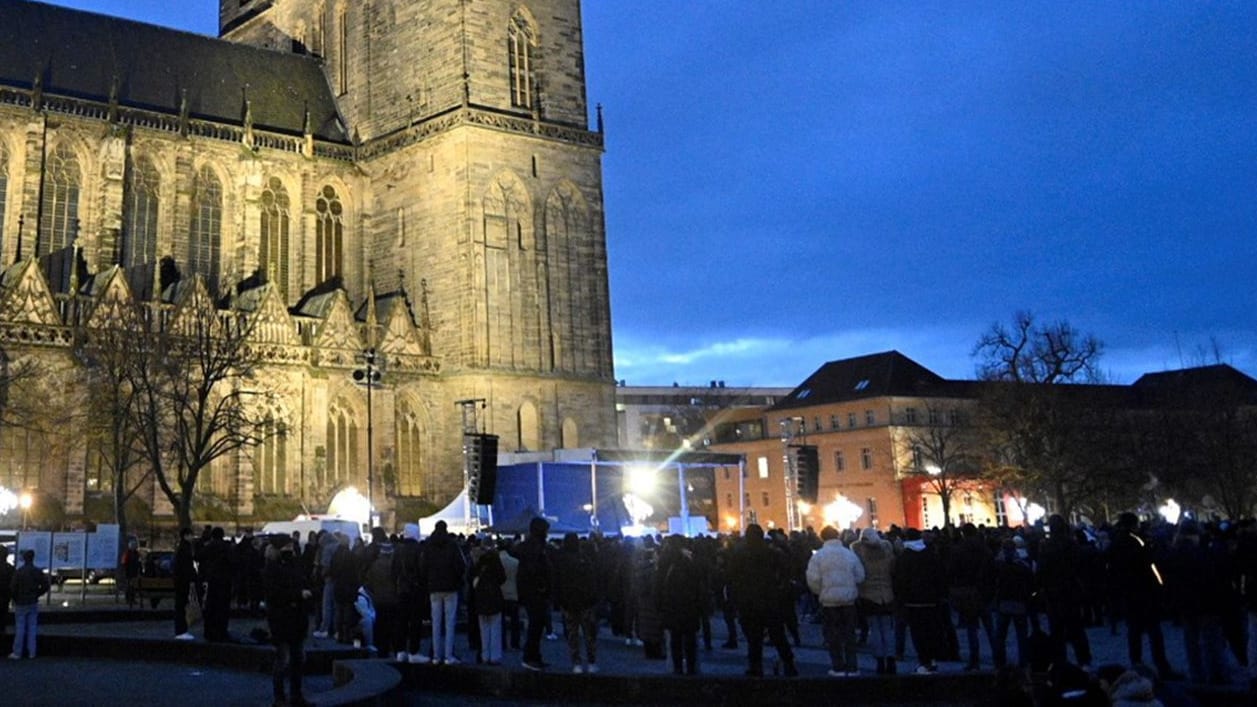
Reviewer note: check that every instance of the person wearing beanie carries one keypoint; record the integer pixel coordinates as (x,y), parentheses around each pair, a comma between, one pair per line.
(877,597)
(834,574)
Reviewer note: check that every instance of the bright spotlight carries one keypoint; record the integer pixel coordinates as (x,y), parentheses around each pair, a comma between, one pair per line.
(26,501)
(842,513)
(352,505)
(642,480)
(1171,511)
(8,501)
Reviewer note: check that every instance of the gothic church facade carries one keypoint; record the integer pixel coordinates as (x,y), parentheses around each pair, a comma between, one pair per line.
(414,176)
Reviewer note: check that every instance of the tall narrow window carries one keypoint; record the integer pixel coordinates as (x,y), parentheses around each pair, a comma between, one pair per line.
(872,506)
(330,235)
(273,457)
(60,206)
(4,185)
(139,241)
(205,234)
(342,50)
(342,445)
(409,470)
(520,40)
(840,461)
(273,251)
(866,458)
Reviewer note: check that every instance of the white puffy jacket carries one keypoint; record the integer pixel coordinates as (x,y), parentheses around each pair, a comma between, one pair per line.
(834,574)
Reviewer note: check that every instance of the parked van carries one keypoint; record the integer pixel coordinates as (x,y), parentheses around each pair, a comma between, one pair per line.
(313,524)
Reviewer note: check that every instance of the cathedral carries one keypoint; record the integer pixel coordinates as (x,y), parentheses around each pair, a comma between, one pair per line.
(418,178)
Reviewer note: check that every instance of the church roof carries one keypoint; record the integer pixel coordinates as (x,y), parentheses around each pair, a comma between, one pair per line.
(82,55)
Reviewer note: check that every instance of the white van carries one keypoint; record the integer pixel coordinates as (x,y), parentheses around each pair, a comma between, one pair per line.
(313,524)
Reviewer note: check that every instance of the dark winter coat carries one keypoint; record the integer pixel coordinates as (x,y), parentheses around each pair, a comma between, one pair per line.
(1014,582)
(488,576)
(29,583)
(345,575)
(577,578)
(919,576)
(286,617)
(444,567)
(759,574)
(535,577)
(379,578)
(681,592)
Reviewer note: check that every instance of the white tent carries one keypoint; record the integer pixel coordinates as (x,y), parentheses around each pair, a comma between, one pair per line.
(459,516)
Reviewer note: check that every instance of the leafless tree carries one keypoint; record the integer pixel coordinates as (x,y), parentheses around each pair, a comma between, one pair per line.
(945,452)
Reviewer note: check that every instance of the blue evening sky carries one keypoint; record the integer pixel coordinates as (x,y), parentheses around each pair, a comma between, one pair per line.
(792,182)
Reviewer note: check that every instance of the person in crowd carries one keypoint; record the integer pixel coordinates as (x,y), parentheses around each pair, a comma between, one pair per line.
(629,590)
(535,581)
(724,594)
(795,586)
(758,572)
(1246,570)
(28,584)
(682,593)
(365,620)
(1198,581)
(1014,589)
(576,596)
(378,577)
(649,622)
(287,617)
(876,600)
(327,544)
(1138,587)
(6,588)
(1060,581)
(704,549)
(920,586)
(443,570)
(488,576)
(216,568)
(834,575)
(246,565)
(969,580)
(185,583)
(510,597)
(129,563)
(345,575)
(412,593)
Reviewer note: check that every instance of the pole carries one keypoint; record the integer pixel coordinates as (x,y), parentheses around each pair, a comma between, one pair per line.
(685,504)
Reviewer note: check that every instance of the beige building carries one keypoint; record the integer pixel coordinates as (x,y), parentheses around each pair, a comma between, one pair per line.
(417,175)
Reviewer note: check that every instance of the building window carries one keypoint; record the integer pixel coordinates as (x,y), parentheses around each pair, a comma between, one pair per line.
(816,424)
(870,418)
(918,458)
(866,458)
(910,416)
(205,234)
(728,501)
(763,496)
(342,445)
(933,416)
(4,184)
(762,464)
(272,457)
(329,235)
(520,41)
(840,462)
(746,499)
(953,417)
(409,468)
(139,241)
(273,251)
(726,473)
(834,424)
(925,512)
(872,508)
(60,203)
(851,420)
(342,50)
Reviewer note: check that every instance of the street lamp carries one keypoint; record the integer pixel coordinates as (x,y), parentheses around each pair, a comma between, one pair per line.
(25,502)
(369,376)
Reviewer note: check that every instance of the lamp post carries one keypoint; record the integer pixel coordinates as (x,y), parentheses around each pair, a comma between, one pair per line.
(369,376)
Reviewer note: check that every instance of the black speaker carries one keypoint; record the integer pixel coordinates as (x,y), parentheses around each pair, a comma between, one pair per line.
(807,472)
(482,467)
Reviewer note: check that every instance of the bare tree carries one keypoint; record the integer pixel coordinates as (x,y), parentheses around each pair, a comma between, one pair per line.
(1041,431)
(945,452)
(195,396)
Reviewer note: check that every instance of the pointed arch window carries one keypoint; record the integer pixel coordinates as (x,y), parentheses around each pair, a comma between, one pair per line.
(60,204)
(205,234)
(520,43)
(342,445)
(409,448)
(272,459)
(143,198)
(330,235)
(273,251)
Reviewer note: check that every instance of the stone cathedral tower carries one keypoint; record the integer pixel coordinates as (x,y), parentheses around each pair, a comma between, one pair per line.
(415,176)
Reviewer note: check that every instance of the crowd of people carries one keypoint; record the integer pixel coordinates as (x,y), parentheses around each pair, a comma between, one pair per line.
(945,590)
